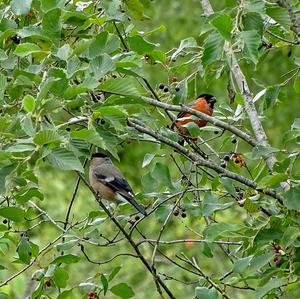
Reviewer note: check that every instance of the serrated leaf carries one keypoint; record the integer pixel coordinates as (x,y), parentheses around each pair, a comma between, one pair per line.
(251,40)
(66,259)
(51,23)
(12,213)
(122,86)
(29,194)
(223,23)
(4,172)
(66,245)
(206,293)
(20,148)
(271,95)
(263,151)
(65,160)
(21,7)
(280,15)
(161,173)
(213,48)
(101,65)
(253,21)
(28,103)
(46,137)
(139,45)
(214,230)
(241,264)
(47,5)
(296,124)
(65,294)
(25,49)
(122,290)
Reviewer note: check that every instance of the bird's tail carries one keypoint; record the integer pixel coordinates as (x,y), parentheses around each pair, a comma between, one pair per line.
(132,201)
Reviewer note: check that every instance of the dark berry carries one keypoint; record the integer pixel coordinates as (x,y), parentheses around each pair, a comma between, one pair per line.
(114,76)
(176,212)
(174,79)
(16,39)
(177,89)
(183,214)
(166,89)
(226,158)
(102,121)
(48,283)
(216,132)
(137,217)
(223,165)
(233,140)
(161,86)
(146,56)
(68,129)
(5,221)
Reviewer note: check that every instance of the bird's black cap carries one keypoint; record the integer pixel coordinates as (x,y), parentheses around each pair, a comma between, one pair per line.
(98,155)
(209,98)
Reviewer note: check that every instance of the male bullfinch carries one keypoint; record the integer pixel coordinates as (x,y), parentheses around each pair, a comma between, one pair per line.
(109,182)
(203,103)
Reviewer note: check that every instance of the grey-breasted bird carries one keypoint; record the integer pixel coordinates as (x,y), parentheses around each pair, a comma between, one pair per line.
(108,181)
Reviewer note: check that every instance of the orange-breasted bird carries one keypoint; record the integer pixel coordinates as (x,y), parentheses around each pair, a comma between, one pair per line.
(203,103)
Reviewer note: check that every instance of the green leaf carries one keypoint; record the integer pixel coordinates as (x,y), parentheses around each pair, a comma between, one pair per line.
(292,199)
(272,180)
(215,230)
(297,84)
(21,7)
(103,44)
(228,184)
(136,8)
(114,272)
(273,283)
(66,259)
(65,294)
(189,42)
(46,137)
(139,45)
(12,213)
(253,21)
(296,124)
(65,160)
(25,49)
(206,293)
(60,277)
(27,250)
(66,245)
(251,40)
(290,236)
(242,264)
(280,15)
(122,290)
(28,103)
(271,95)
(161,173)
(4,172)
(51,22)
(3,83)
(47,5)
(89,135)
(20,148)
(29,194)
(267,235)
(210,204)
(100,66)
(260,151)
(213,48)
(113,10)
(122,86)
(104,283)
(223,24)
(147,159)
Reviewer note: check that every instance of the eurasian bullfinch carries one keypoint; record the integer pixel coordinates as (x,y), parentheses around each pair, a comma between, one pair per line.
(109,182)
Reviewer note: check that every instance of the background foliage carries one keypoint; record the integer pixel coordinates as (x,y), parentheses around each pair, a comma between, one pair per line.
(76,75)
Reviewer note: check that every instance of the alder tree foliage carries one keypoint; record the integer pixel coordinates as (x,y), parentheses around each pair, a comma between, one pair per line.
(223,210)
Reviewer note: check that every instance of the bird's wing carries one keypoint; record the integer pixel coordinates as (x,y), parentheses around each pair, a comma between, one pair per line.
(118,184)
